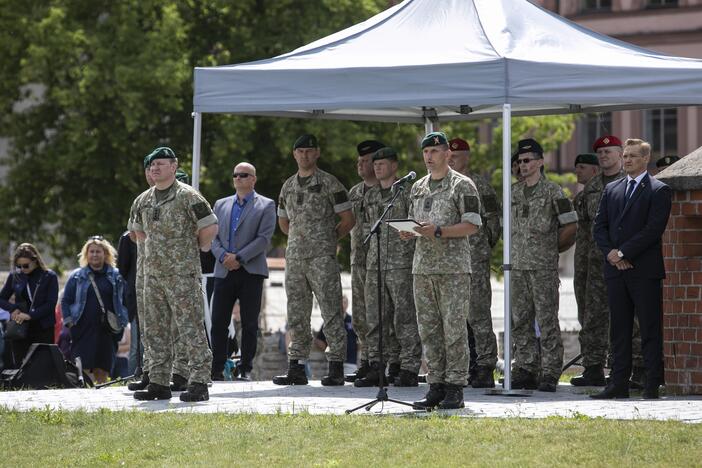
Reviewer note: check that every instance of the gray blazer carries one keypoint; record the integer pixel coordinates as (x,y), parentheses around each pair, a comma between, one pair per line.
(253,234)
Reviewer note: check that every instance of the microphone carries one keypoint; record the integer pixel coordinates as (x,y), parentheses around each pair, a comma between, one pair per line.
(411,176)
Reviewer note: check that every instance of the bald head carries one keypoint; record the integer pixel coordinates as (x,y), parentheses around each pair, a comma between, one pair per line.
(244,178)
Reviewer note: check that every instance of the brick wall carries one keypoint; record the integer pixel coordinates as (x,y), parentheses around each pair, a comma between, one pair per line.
(682,294)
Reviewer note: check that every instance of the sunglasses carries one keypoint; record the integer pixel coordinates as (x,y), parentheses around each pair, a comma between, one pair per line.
(24,266)
(525,160)
(96,238)
(241,175)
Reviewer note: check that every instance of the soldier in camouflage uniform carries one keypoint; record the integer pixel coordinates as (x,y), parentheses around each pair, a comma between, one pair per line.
(543,224)
(358,250)
(447,205)
(480,373)
(173,220)
(396,256)
(307,208)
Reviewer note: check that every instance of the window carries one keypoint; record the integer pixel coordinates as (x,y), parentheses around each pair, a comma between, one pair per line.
(593,6)
(591,127)
(661,3)
(661,130)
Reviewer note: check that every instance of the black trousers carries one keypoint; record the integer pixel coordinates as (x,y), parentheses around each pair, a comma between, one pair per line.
(247,288)
(629,296)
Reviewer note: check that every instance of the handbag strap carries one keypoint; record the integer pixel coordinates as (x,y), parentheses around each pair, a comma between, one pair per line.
(97,292)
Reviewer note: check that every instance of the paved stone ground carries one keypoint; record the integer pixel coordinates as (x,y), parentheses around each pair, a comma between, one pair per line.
(266,398)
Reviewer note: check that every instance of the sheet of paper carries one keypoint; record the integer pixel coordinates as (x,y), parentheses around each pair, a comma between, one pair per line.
(406,225)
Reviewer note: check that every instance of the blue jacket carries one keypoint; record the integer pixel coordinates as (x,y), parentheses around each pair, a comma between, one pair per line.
(76,292)
(45,296)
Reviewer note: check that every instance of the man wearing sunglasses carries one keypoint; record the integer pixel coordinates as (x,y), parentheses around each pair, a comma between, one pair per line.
(244,235)
(543,224)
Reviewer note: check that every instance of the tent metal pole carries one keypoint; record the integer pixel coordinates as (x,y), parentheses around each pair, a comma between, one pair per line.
(428,126)
(197,133)
(506,234)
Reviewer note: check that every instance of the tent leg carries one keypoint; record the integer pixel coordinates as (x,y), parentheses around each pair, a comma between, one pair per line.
(197,132)
(428,126)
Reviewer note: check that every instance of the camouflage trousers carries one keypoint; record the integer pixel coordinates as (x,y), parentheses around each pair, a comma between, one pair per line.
(480,315)
(174,310)
(303,277)
(442,303)
(399,315)
(179,356)
(535,297)
(358,307)
(593,309)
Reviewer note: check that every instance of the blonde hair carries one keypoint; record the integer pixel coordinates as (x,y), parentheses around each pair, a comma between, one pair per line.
(110,252)
(644,145)
(28,251)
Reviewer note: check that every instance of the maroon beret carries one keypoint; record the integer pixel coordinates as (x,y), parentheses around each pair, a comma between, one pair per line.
(458,144)
(607,140)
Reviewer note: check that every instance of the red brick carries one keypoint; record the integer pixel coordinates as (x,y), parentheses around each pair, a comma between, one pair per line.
(697,277)
(668,335)
(693,292)
(675,209)
(683,349)
(688,264)
(695,321)
(689,209)
(671,377)
(696,349)
(689,334)
(694,195)
(685,278)
(696,377)
(689,250)
(684,222)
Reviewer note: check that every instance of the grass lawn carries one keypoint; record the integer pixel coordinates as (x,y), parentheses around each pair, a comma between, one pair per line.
(60,438)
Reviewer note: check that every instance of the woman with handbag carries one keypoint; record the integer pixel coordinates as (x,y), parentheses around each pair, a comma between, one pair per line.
(29,294)
(93,308)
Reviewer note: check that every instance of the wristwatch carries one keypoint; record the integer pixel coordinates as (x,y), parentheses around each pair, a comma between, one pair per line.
(437,232)
(620,254)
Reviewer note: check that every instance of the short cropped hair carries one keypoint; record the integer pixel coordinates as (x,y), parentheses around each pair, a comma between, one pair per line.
(644,145)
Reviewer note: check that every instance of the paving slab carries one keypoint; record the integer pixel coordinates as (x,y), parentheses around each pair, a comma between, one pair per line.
(266,398)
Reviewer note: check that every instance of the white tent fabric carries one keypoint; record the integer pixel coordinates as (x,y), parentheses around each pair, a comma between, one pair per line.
(452,59)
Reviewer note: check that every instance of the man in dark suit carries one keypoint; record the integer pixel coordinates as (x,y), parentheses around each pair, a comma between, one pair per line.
(245,231)
(629,225)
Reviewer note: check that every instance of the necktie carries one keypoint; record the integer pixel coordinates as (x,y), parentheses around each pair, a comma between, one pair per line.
(630,189)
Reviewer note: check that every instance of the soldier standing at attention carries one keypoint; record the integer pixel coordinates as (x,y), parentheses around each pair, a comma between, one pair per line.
(480,373)
(173,220)
(307,208)
(359,232)
(396,256)
(448,206)
(543,224)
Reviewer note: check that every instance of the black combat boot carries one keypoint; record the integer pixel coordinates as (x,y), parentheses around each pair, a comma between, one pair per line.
(139,384)
(522,379)
(335,376)
(196,392)
(434,396)
(406,379)
(393,372)
(593,376)
(295,376)
(179,384)
(371,378)
(360,372)
(453,398)
(548,384)
(154,392)
(483,378)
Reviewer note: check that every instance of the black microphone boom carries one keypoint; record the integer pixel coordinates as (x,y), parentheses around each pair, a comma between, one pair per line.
(411,176)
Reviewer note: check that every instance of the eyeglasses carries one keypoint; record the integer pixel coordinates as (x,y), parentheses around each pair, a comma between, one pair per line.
(96,238)
(241,175)
(24,266)
(525,160)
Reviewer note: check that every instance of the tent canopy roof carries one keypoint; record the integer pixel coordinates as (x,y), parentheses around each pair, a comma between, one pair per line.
(452,59)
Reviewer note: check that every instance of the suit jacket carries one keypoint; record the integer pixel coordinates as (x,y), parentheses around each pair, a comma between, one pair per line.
(634,227)
(253,234)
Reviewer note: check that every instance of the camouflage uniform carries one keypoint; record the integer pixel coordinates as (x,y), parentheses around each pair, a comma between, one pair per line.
(358,266)
(535,282)
(396,280)
(311,265)
(171,279)
(481,244)
(441,270)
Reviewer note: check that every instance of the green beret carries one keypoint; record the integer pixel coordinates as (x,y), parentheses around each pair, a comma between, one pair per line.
(587,158)
(667,161)
(162,152)
(385,153)
(147,161)
(182,176)
(434,139)
(306,141)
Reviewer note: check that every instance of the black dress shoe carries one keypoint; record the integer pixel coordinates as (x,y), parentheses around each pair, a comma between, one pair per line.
(611,392)
(650,393)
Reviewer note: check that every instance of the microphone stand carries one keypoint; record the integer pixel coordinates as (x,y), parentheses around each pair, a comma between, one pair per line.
(382,395)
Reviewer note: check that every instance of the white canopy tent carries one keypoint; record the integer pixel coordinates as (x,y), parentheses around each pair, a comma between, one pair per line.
(424,61)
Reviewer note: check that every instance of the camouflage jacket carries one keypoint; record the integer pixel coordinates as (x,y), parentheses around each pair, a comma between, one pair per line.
(588,205)
(361,228)
(482,242)
(171,225)
(454,201)
(311,211)
(394,252)
(535,224)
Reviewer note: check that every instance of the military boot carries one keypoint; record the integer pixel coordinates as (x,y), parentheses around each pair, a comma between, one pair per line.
(393,372)
(548,384)
(196,392)
(522,379)
(179,384)
(593,376)
(434,396)
(453,398)
(483,378)
(154,392)
(360,372)
(139,384)
(371,378)
(406,379)
(335,376)
(295,376)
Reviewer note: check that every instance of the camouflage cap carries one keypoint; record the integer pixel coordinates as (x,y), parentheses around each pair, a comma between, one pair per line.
(385,153)
(368,147)
(306,141)
(182,176)
(162,152)
(434,139)
(587,158)
(667,161)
